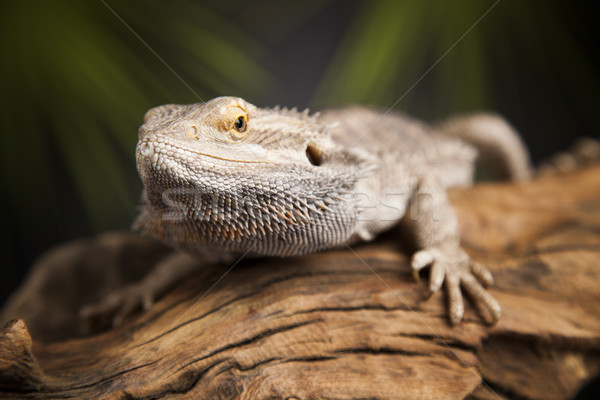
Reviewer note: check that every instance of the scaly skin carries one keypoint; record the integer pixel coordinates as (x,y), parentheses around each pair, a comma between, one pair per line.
(225,178)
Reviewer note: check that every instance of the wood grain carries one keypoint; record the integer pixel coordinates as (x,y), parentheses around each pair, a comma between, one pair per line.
(336,325)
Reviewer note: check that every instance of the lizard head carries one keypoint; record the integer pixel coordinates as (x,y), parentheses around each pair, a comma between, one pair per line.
(227,175)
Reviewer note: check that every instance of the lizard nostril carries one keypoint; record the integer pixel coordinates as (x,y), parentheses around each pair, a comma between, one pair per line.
(192,132)
(314,155)
(145,149)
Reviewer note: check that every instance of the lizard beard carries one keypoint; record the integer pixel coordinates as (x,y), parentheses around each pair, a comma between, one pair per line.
(236,207)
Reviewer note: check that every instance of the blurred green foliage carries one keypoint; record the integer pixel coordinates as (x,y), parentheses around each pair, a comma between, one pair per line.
(463,49)
(78,82)
(77,77)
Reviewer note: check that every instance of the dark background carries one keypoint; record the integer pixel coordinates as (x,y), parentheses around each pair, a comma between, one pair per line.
(76,78)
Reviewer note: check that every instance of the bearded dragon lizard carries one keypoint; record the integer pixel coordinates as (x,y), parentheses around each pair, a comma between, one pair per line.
(225,178)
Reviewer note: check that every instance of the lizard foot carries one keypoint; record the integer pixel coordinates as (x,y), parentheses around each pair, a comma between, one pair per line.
(453,267)
(584,152)
(115,308)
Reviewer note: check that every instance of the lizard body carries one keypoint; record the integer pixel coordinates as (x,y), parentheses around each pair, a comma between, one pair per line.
(226,178)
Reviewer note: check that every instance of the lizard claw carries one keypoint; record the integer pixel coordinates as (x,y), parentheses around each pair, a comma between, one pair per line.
(114,309)
(451,266)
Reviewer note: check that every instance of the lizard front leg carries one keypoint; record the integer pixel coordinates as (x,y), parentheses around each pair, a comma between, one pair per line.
(436,231)
(140,295)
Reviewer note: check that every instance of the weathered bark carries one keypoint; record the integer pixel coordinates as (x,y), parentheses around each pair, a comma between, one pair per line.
(335,325)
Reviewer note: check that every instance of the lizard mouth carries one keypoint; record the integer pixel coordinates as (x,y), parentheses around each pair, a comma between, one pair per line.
(157,154)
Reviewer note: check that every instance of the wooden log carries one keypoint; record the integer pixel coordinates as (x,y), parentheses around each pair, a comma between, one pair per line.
(342,324)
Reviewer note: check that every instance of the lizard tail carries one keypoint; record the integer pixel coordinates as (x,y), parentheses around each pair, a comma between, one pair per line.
(496,141)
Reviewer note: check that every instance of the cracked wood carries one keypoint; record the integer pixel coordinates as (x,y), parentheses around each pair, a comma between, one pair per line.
(324,326)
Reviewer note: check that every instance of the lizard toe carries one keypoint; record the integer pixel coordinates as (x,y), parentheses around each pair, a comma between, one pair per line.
(456,306)
(482,274)
(420,260)
(481,297)
(438,272)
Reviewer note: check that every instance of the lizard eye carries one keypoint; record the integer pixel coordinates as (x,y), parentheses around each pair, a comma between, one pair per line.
(240,124)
